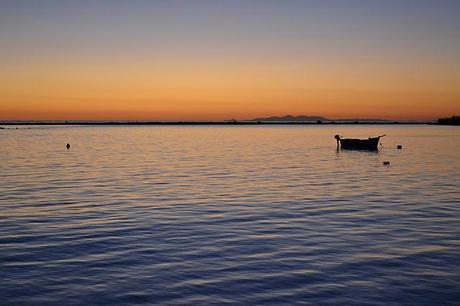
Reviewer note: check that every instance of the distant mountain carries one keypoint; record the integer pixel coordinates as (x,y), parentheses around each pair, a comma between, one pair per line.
(302,118)
(364,120)
(290,118)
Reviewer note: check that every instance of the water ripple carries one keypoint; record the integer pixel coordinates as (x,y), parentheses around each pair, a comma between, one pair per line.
(241,215)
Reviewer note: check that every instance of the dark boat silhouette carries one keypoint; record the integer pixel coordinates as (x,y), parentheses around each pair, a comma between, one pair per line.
(370,144)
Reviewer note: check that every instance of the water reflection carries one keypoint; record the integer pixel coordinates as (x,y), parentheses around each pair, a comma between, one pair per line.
(243,215)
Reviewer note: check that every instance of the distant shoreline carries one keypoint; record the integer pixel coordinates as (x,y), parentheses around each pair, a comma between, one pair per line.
(226,123)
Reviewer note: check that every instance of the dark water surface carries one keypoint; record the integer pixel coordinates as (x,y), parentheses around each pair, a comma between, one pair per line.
(210,215)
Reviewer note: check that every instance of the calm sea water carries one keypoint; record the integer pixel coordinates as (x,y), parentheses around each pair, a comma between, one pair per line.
(210,215)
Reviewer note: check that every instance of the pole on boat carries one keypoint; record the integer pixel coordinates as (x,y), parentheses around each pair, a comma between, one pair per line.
(337,137)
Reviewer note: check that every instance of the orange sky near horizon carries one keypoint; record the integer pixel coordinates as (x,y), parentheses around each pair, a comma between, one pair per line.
(220,89)
(89,71)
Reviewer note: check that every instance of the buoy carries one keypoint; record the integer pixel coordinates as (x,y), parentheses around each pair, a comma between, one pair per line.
(399,147)
(68,146)
(386,163)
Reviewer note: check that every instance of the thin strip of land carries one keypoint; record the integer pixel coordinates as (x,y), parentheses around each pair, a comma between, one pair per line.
(6,123)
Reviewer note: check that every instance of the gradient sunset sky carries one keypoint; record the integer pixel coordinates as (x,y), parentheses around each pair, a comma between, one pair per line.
(214,60)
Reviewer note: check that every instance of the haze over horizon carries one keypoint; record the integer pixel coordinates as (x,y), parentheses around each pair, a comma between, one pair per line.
(217,60)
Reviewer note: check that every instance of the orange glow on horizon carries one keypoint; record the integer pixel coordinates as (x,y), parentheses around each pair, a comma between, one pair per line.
(221,89)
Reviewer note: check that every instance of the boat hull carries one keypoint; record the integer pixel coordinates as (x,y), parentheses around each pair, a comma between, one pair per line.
(371,144)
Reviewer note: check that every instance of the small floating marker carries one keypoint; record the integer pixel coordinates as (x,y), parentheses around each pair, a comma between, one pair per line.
(399,147)
(68,146)
(386,163)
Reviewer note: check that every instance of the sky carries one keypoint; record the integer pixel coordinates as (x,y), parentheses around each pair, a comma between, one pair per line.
(217,60)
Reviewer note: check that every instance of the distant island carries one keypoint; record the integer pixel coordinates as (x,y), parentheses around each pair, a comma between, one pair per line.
(314,119)
(290,118)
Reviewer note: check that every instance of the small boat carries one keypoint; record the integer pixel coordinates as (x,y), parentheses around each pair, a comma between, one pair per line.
(370,144)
